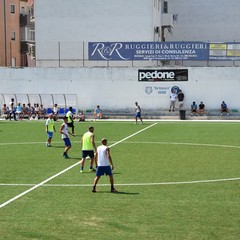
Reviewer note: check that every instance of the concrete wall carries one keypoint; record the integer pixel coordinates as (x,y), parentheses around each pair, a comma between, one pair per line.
(118,88)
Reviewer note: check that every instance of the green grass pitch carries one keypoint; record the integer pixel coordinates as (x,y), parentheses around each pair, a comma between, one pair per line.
(176,180)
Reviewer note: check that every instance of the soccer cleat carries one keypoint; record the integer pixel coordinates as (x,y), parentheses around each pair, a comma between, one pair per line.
(94,190)
(81,171)
(113,190)
(92,170)
(66,156)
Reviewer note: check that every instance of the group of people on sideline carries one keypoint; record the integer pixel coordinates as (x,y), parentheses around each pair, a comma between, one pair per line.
(199,110)
(173,98)
(37,111)
(20,111)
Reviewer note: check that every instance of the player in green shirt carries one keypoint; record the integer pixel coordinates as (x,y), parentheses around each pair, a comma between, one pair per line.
(70,117)
(49,129)
(88,148)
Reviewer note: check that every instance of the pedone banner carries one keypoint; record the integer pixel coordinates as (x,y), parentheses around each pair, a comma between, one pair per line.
(159,75)
(147,51)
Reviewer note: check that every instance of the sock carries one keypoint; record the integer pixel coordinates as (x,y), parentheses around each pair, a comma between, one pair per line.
(91,167)
(81,168)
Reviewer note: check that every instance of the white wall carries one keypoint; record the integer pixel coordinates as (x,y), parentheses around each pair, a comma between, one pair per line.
(203,20)
(118,88)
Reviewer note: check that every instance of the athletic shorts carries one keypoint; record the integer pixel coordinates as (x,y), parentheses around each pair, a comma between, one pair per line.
(50,134)
(101,170)
(138,114)
(70,124)
(67,142)
(86,153)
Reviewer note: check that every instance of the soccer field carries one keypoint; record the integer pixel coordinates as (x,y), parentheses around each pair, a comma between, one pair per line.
(176,180)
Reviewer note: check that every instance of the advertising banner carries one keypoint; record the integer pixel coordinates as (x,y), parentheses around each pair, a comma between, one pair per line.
(159,75)
(163,51)
(132,51)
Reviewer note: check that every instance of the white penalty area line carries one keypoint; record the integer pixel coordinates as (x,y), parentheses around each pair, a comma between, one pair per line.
(65,170)
(127,184)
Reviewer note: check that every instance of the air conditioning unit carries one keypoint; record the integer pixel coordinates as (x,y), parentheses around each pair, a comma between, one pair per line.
(167,19)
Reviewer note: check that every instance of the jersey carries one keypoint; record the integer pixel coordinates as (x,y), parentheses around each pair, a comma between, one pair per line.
(50,124)
(137,109)
(173,97)
(65,131)
(102,156)
(87,141)
(69,115)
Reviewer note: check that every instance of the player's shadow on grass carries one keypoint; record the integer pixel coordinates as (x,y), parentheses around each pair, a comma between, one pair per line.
(76,158)
(119,193)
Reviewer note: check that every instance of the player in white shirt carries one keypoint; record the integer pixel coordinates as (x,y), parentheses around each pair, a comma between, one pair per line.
(65,137)
(138,111)
(104,160)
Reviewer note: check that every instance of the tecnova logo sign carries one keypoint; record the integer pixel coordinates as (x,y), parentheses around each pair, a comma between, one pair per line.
(152,75)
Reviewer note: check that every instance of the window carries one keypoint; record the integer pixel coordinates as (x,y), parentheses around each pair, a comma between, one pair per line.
(13,36)
(32,35)
(12,8)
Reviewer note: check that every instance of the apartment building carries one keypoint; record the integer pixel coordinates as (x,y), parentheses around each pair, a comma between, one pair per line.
(17,33)
(27,33)
(9,33)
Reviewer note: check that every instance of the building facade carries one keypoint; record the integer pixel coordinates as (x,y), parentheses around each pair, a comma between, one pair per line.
(205,20)
(9,33)
(64,28)
(17,33)
(27,33)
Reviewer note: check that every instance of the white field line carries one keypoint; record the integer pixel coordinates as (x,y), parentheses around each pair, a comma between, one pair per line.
(29,143)
(129,142)
(126,184)
(65,170)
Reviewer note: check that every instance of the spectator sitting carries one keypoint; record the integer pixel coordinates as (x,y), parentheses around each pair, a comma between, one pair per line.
(19,111)
(55,111)
(224,108)
(201,110)
(36,110)
(98,113)
(194,109)
(24,110)
(81,116)
(42,112)
(31,111)
(5,111)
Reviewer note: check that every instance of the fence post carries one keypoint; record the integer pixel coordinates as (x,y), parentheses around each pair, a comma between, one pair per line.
(59,55)
(83,55)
